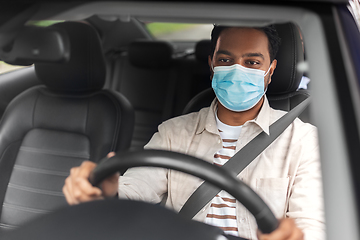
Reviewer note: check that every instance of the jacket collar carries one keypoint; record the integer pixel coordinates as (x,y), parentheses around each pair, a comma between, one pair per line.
(263,118)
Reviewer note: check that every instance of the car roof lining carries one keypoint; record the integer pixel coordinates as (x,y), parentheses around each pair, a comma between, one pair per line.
(246,14)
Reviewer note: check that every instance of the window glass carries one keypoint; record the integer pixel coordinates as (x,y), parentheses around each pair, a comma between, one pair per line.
(4,67)
(43,23)
(179,31)
(355,10)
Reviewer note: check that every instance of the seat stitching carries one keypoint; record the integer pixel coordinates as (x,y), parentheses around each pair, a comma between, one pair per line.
(25,209)
(34,190)
(42,171)
(3,225)
(51,152)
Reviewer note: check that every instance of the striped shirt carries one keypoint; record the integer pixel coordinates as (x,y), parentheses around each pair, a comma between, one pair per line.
(222,211)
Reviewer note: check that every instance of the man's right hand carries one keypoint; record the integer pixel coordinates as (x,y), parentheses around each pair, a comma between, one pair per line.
(78,189)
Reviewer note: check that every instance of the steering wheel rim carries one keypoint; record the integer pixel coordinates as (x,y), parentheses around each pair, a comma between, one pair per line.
(221,178)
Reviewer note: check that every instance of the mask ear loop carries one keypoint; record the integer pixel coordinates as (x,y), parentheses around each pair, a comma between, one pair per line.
(267,71)
(268,81)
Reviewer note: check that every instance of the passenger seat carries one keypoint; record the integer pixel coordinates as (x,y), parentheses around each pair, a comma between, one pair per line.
(51,128)
(147,76)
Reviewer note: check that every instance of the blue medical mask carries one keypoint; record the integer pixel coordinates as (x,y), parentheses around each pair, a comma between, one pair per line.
(238,88)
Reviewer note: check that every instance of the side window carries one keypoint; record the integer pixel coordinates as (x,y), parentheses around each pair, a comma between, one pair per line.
(354,6)
(4,67)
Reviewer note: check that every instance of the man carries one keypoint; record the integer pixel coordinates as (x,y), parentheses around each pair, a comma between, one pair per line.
(286,174)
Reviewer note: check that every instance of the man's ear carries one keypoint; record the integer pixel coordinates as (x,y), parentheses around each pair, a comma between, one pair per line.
(210,66)
(272,69)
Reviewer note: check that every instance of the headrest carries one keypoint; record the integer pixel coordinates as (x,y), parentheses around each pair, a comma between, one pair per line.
(287,77)
(85,71)
(202,50)
(150,54)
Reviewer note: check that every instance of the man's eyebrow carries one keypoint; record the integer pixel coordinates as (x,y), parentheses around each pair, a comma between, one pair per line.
(254,55)
(224,52)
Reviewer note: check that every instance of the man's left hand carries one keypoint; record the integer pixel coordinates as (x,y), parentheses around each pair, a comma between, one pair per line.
(287,230)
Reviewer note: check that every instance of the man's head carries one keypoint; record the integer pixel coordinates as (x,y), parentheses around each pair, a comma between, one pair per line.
(270,31)
(243,60)
(250,47)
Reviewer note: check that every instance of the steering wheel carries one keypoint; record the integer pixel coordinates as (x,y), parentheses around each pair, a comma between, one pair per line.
(140,220)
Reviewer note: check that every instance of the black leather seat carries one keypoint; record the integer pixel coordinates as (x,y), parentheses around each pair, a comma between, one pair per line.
(147,77)
(282,92)
(48,129)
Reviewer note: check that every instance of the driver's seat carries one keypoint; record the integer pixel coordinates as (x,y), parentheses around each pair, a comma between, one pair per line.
(48,129)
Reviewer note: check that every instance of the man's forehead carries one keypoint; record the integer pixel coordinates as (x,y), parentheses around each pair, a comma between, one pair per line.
(242,30)
(242,39)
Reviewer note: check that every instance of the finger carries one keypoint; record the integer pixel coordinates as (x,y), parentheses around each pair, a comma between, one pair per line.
(72,190)
(85,169)
(113,178)
(286,228)
(297,234)
(68,196)
(77,186)
(110,185)
(84,191)
(284,231)
(68,187)
(80,193)
(111,154)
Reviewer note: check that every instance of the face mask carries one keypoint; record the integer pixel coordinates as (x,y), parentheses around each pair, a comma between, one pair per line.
(238,88)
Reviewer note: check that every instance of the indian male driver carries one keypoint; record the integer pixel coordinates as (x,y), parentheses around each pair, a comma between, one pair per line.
(286,175)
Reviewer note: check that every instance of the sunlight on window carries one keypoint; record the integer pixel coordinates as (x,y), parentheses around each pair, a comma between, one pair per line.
(354,7)
(179,31)
(4,67)
(44,23)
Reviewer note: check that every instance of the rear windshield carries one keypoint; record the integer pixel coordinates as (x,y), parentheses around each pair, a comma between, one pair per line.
(179,31)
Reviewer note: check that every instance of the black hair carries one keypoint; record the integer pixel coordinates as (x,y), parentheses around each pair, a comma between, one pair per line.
(270,31)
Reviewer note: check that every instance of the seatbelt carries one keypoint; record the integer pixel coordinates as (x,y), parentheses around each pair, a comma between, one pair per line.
(206,191)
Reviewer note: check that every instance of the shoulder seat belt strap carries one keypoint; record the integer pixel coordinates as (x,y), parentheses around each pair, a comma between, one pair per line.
(206,191)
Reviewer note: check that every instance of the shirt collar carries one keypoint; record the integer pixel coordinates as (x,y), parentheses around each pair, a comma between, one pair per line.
(263,118)
(208,120)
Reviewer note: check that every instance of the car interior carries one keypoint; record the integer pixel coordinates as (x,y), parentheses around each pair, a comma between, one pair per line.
(87,121)
(110,88)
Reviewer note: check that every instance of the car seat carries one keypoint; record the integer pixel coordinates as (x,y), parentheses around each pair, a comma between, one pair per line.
(282,92)
(147,77)
(48,129)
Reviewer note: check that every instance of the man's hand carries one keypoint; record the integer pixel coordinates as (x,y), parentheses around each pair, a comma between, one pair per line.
(287,230)
(78,189)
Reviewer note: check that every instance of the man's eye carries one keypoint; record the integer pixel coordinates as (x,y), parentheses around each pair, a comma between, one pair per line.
(252,62)
(223,60)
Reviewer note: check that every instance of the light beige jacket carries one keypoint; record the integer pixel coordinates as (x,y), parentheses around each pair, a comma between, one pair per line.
(286,175)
